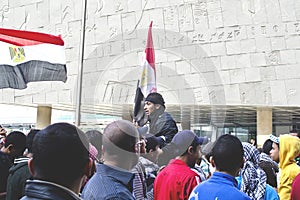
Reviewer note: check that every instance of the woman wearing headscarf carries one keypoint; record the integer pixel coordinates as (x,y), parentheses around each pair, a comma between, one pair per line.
(253,180)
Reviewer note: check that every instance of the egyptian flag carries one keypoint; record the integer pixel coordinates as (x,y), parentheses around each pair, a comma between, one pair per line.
(148,80)
(27,56)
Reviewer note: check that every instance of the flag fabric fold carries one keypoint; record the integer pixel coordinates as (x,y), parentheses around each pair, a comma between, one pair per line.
(29,57)
(148,80)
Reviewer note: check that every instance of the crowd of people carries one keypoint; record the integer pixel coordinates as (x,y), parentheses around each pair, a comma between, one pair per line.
(61,162)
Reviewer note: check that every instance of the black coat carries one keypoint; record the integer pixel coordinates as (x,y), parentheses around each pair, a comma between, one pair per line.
(42,190)
(5,164)
(163,125)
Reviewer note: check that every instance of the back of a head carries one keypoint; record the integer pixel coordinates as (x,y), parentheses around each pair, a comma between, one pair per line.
(29,139)
(267,146)
(119,138)
(18,140)
(60,153)
(228,153)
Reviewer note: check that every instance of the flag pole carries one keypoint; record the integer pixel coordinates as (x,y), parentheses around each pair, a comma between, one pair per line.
(148,81)
(80,66)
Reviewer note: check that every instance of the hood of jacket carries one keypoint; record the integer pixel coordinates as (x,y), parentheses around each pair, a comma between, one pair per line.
(289,150)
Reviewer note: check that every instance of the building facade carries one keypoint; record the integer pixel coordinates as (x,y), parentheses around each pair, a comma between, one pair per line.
(232,65)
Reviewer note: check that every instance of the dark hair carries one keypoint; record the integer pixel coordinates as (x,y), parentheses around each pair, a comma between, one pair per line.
(60,153)
(267,146)
(18,140)
(95,138)
(29,139)
(228,153)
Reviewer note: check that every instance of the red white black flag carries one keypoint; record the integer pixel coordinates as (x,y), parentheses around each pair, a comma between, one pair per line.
(30,56)
(148,80)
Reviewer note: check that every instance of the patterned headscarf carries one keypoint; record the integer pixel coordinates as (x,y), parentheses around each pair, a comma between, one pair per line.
(253,177)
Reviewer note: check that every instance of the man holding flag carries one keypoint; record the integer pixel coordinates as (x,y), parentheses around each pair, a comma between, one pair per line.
(161,123)
(152,108)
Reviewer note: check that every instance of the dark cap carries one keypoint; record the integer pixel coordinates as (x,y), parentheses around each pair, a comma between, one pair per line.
(155,98)
(185,138)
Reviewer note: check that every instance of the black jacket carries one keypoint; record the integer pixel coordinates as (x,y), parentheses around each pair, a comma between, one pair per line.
(18,174)
(38,190)
(5,164)
(163,125)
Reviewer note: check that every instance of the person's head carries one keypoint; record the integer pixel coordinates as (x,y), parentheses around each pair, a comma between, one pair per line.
(154,102)
(274,152)
(15,144)
(267,146)
(60,155)
(188,145)
(95,138)
(289,150)
(29,140)
(121,144)
(227,154)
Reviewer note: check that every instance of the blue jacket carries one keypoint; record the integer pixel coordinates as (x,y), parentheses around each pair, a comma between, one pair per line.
(220,186)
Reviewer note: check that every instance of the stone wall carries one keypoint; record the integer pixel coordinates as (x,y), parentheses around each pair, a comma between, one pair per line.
(227,52)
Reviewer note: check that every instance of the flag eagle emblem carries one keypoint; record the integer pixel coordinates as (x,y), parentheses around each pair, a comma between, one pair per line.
(27,56)
(17,54)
